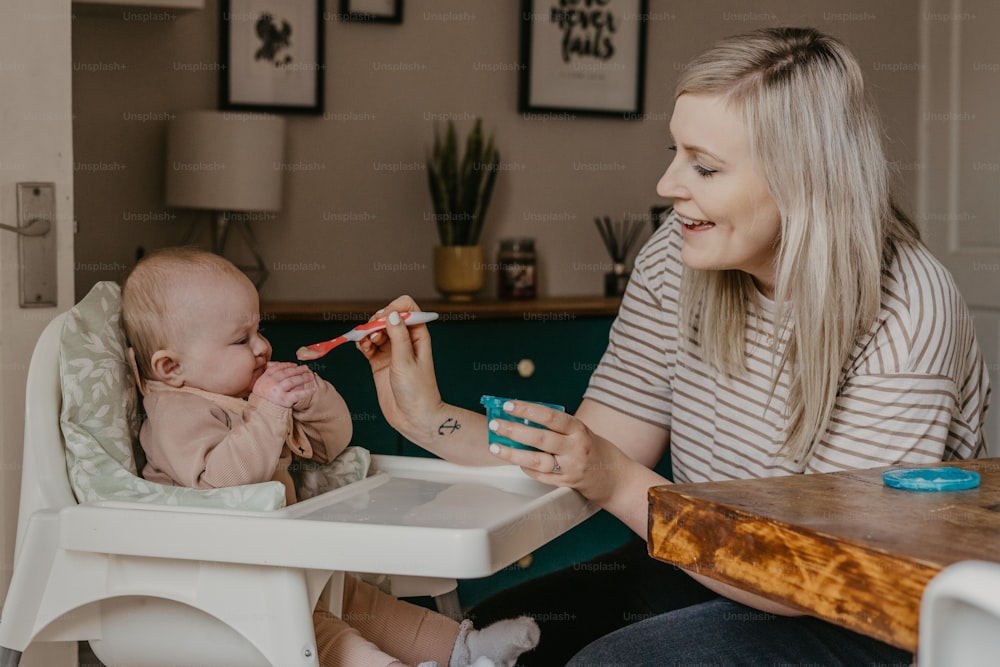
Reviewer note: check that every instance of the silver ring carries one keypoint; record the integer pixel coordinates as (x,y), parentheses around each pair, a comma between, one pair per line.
(556,468)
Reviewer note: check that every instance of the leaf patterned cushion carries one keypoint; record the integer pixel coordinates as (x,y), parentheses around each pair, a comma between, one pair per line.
(100,421)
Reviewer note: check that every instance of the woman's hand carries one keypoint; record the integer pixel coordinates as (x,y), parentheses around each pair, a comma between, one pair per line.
(403,370)
(572,455)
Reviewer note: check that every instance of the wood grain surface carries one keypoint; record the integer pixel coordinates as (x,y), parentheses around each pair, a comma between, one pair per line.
(842,546)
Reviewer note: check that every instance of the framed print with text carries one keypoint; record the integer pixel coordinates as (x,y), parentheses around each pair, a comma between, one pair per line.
(583,57)
(371,11)
(272,56)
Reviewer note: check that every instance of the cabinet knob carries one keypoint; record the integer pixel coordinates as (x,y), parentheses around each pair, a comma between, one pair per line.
(526,368)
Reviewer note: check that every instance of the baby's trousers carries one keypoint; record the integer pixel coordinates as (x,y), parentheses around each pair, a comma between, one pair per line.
(376,630)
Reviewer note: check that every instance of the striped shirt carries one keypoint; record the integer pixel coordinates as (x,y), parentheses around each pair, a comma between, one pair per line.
(915,389)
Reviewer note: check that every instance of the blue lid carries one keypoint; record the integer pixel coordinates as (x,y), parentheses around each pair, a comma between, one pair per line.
(931,479)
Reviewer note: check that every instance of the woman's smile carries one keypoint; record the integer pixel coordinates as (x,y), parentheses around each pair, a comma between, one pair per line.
(693,226)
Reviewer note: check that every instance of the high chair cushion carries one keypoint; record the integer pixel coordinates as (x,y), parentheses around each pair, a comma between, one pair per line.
(100,422)
(312,479)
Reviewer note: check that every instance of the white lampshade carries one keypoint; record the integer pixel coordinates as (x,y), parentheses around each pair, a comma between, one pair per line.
(224,161)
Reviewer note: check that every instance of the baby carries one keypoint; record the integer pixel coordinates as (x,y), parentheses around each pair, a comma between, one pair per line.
(221,413)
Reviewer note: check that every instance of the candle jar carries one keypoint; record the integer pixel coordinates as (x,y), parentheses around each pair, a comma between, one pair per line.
(517,264)
(616,281)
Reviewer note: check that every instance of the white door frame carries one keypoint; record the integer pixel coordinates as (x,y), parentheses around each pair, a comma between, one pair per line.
(958,135)
(36,144)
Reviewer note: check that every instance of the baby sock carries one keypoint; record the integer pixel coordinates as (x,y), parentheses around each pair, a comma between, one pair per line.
(497,645)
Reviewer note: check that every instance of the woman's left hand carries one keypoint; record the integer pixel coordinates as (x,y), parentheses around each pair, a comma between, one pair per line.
(571,454)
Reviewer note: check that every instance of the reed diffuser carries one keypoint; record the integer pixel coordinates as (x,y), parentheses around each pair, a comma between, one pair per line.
(619,237)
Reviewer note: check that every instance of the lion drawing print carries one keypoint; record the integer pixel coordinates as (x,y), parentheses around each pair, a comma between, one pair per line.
(275,41)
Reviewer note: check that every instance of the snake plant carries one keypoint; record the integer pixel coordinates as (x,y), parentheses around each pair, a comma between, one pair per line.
(461,186)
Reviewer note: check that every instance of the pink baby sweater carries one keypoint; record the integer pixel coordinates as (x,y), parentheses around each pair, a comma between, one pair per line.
(202,440)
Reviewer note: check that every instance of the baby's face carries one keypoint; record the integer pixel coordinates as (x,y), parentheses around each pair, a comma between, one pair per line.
(218,343)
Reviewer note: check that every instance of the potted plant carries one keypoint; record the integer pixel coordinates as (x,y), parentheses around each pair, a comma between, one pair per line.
(460,187)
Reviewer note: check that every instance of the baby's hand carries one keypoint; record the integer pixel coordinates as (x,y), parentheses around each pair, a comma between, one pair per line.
(286,384)
(304,403)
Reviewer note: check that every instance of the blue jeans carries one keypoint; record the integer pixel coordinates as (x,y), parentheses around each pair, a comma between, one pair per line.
(723,633)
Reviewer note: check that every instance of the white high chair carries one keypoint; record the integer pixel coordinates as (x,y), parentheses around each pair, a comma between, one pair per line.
(153,584)
(960,616)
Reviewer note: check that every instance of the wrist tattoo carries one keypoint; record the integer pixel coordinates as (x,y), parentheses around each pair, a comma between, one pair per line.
(449,426)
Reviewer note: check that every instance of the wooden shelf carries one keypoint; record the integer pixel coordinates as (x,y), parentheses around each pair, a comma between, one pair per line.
(114,6)
(543,309)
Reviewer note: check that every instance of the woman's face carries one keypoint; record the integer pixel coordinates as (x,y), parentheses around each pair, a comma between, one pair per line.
(729,219)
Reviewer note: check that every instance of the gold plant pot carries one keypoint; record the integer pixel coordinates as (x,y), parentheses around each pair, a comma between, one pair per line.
(459,271)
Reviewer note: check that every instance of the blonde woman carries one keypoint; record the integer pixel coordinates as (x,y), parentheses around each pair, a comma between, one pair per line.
(785,320)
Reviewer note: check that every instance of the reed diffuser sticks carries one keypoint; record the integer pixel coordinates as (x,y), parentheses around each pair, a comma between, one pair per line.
(618,236)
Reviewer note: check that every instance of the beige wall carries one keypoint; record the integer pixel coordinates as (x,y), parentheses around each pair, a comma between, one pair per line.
(354,221)
(35,136)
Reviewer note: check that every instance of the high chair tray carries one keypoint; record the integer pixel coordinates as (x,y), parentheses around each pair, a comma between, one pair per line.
(413,516)
(447,518)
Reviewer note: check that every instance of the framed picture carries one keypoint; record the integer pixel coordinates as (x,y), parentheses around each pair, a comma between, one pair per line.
(372,11)
(272,56)
(583,57)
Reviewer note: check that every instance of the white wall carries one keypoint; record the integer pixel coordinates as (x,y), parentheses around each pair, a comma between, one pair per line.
(959,185)
(35,145)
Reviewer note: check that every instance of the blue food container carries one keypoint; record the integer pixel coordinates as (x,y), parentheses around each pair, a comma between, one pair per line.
(931,479)
(494,410)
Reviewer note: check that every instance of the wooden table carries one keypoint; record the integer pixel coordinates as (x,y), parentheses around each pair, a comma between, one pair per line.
(842,546)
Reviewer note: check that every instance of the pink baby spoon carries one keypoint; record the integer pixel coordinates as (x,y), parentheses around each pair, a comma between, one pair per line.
(317,350)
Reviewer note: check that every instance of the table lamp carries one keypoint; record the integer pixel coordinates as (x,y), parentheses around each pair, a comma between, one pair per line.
(230,164)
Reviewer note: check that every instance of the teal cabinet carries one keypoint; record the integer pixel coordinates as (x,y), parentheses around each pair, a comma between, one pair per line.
(533,353)
(540,353)
(531,359)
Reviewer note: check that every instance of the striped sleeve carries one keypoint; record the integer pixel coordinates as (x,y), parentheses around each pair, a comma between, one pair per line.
(635,374)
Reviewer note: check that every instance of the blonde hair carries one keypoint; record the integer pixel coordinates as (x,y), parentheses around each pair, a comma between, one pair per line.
(147,296)
(818,140)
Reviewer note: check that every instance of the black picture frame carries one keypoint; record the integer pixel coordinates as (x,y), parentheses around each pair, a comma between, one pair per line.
(591,66)
(371,11)
(271,56)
